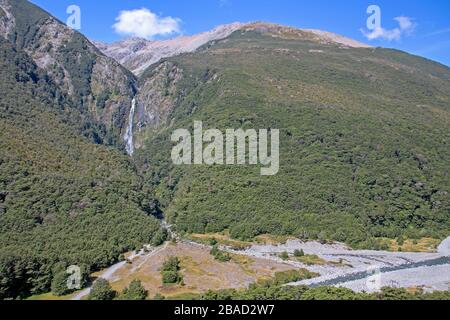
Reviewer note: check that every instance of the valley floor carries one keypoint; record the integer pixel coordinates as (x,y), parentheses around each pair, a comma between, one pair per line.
(358,268)
(201,272)
(337,265)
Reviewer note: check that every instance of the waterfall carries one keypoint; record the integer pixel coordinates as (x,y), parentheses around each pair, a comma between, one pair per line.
(129,143)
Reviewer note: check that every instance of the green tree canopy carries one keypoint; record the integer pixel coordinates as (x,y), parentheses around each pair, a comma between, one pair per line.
(101,290)
(135,291)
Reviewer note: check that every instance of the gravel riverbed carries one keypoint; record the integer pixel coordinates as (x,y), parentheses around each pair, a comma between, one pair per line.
(366,270)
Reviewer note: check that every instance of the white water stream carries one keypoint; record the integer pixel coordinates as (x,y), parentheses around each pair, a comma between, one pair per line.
(129,142)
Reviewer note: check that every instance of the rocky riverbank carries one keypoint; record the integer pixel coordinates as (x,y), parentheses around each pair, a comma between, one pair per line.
(365,270)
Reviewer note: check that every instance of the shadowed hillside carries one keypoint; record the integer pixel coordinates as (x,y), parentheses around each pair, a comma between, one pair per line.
(63,199)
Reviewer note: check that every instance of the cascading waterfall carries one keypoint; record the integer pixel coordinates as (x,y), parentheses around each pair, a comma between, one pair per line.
(129,143)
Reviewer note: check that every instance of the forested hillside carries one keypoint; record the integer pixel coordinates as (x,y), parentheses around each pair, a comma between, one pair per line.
(63,199)
(364,135)
(364,139)
(97,85)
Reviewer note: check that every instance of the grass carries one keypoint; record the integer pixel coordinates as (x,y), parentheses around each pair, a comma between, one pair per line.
(184,296)
(409,245)
(221,238)
(51,296)
(244,262)
(312,259)
(189,265)
(200,271)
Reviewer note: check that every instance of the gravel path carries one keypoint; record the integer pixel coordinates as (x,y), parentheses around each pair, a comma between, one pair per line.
(108,274)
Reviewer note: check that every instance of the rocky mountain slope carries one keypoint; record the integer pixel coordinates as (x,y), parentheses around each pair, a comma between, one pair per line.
(138,54)
(363,132)
(97,85)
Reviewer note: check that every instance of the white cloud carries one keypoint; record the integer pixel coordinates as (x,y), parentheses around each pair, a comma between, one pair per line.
(405,23)
(145,24)
(405,27)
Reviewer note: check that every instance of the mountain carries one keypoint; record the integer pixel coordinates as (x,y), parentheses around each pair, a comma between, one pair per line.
(364,142)
(97,85)
(64,200)
(363,133)
(138,54)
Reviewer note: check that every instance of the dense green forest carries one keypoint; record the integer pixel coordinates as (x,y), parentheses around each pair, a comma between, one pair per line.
(63,199)
(363,133)
(256,292)
(364,137)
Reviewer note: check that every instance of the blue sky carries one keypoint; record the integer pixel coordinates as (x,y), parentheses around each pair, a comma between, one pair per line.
(416,26)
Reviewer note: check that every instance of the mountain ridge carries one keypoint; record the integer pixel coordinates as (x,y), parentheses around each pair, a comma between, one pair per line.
(137,54)
(364,144)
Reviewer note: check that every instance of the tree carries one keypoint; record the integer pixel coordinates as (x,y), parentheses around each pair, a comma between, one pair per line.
(388,293)
(159,296)
(160,237)
(59,284)
(171,264)
(331,293)
(219,255)
(284,255)
(170,277)
(135,291)
(299,253)
(170,270)
(101,290)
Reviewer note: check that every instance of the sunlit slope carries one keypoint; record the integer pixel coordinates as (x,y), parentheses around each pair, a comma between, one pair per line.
(364,140)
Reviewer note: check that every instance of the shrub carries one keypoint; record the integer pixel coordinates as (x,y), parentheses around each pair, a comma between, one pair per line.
(135,291)
(101,290)
(284,255)
(299,253)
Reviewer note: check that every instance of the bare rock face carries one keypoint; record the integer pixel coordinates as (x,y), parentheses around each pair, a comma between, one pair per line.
(7,21)
(157,98)
(157,94)
(96,84)
(138,54)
